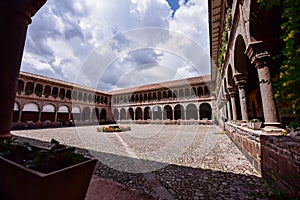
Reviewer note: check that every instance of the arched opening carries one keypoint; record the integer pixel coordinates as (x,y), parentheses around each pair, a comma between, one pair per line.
(38,90)
(84,97)
(75,113)
(200,91)
(95,114)
(116,114)
(63,115)
(123,114)
(178,112)
(90,98)
(159,95)
(206,90)
(164,94)
(175,94)
(156,112)
(131,113)
(170,94)
(62,93)
(205,111)
(20,86)
(138,113)
(191,112)
(154,96)
(187,92)
(181,93)
(147,113)
(29,88)
(48,113)
(30,112)
(79,96)
(54,92)
(68,94)
(194,92)
(103,115)
(168,112)
(86,113)
(74,95)
(47,91)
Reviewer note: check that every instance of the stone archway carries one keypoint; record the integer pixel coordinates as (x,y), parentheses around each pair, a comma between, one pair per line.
(123,114)
(138,113)
(103,115)
(147,113)
(116,114)
(205,111)
(178,112)
(48,113)
(86,112)
(168,113)
(30,112)
(157,113)
(131,113)
(191,112)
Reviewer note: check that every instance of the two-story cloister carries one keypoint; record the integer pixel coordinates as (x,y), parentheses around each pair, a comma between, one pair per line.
(44,99)
(181,100)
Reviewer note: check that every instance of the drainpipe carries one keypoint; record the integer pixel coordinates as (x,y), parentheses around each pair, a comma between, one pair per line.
(15,16)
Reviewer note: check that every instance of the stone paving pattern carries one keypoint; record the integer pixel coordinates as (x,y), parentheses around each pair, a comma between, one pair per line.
(210,167)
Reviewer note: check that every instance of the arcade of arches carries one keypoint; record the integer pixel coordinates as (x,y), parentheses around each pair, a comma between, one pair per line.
(47,100)
(43,99)
(182,100)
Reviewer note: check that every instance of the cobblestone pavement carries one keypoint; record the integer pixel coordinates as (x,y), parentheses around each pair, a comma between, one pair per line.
(167,161)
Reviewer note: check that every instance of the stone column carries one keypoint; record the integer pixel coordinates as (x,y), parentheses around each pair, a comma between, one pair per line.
(14,19)
(20,114)
(172,113)
(241,82)
(233,105)
(152,114)
(260,57)
(55,115)
(198,113)
(228,106)
(266,91)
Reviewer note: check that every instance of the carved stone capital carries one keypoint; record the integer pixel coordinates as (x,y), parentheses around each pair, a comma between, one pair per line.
(240,79)
(258,52)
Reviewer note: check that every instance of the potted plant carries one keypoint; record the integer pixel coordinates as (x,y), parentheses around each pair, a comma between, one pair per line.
(30,172)
(254,124)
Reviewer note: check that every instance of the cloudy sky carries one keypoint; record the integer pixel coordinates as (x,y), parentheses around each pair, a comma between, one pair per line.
(118,44)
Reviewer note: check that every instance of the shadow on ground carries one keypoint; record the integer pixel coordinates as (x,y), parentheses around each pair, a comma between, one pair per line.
(174,181)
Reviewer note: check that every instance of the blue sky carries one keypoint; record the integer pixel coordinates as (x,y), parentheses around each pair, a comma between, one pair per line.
(118,44)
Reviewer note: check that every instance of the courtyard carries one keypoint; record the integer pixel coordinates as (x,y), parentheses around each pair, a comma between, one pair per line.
(164,161)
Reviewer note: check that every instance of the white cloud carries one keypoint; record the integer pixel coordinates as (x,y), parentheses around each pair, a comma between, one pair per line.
(70,37)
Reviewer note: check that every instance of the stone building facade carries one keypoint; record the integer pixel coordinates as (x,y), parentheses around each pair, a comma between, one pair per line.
(46,100)
(252,37)
(43,100)
(185,101)
(243,39)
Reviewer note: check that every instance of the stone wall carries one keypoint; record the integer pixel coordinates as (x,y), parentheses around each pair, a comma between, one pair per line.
(275,157)
(280,162)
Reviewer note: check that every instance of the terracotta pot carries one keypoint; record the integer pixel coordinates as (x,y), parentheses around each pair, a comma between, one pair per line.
(19,182)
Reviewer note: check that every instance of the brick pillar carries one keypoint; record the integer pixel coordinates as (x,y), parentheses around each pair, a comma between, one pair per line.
(233,105)
(14,19)
(241,82)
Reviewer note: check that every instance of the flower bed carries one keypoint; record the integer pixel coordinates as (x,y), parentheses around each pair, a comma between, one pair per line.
(114,128)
